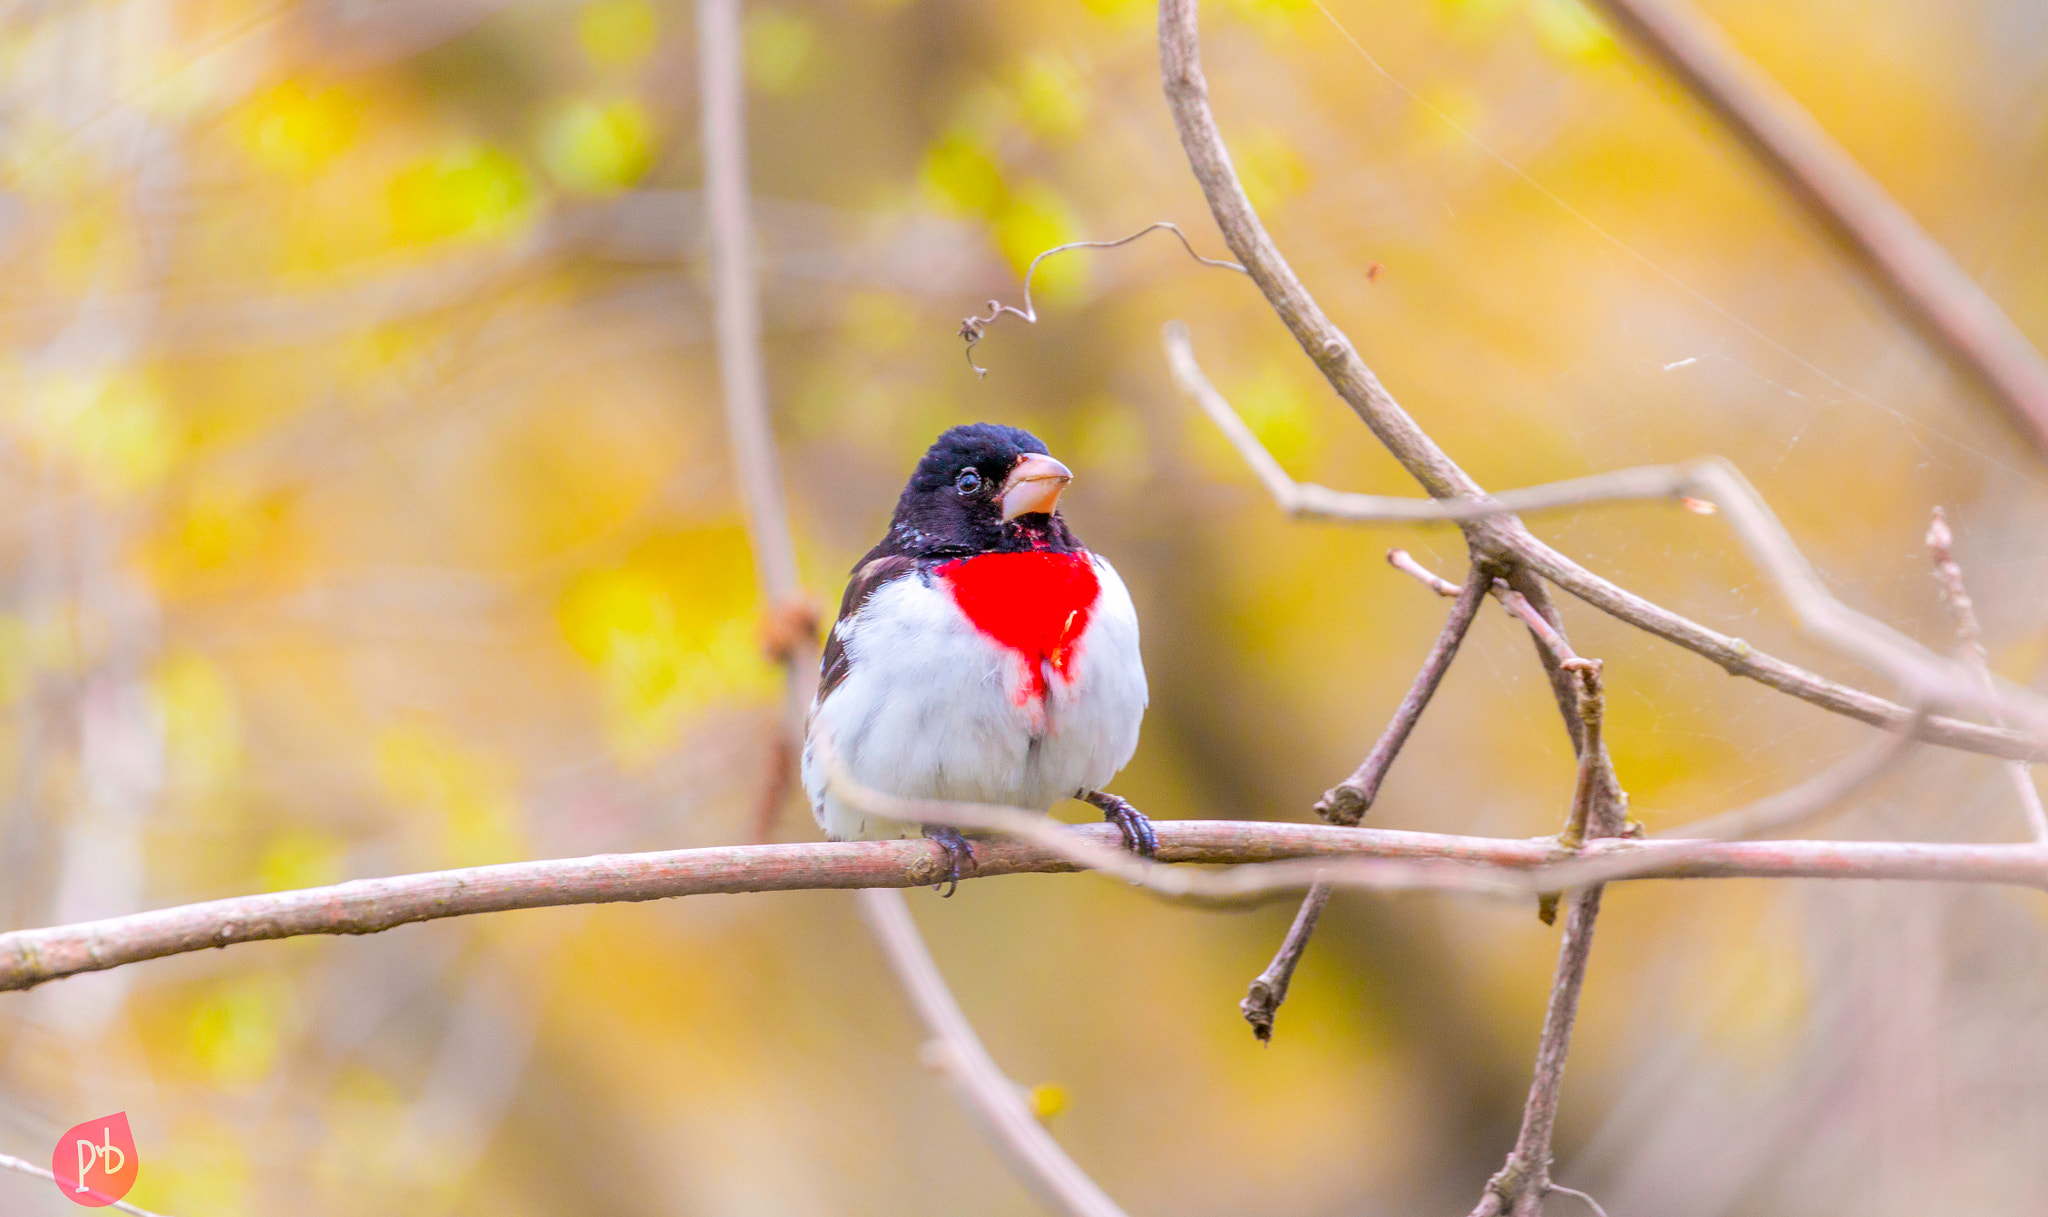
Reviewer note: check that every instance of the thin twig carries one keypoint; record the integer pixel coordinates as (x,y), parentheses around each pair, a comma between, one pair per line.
(1403,561)
(1921,672)
(1519,1186)
(1579,1196)
(791,622)
(1911,269)
(973,328)
(983,1088)
(790,619)
(1347,802)
(1263,997)
(1546,637)
(1267,857)
(1948,575)
(10,1162)
(736,296)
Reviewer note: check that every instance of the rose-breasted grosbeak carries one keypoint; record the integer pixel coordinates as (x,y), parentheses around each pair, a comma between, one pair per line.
(982,654)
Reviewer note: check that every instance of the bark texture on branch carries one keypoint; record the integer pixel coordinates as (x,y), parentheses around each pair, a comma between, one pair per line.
(368,906)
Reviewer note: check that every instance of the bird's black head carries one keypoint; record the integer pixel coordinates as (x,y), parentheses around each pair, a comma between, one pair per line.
(980,488)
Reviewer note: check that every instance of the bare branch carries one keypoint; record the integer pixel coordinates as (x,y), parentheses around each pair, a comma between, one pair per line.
(972,329)
(1922,282)
(1289,856)
(10,1162)
(1519,1185)
(1348,801)
(736,294)
(1948,575)
(1546,637)
(1865,639)
(984,1090)
(791,619)
(1403,561)
(1263,997)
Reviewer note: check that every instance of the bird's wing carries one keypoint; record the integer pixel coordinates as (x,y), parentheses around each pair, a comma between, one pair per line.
(868,579)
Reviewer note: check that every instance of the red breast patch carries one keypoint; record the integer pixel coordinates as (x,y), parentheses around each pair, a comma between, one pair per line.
(1035,604)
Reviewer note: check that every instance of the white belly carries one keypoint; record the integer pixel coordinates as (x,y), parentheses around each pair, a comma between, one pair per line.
(934,709)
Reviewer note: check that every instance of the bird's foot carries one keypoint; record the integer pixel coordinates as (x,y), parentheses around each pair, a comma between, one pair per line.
(957,849)
(1132,823)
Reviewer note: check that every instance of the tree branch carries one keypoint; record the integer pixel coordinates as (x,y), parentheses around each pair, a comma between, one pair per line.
(1381,859)
(791,625)
(1347,802)
(1912,271)
(1868,641)
(984,1090)
(790,628)
(1948,576)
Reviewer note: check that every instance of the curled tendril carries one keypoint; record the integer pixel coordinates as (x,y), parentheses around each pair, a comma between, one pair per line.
(972,329)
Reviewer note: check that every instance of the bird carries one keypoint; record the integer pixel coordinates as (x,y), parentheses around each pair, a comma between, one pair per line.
(982,654)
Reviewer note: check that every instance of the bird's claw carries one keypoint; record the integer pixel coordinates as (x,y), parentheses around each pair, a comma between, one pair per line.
(958,849)
(1135,825)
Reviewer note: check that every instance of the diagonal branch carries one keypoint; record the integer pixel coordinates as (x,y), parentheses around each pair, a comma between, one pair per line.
(1347,802)
(1913,272)
(1712,483)
(984,1090)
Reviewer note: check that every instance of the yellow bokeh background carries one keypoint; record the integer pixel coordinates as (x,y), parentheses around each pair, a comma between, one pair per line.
(366,508)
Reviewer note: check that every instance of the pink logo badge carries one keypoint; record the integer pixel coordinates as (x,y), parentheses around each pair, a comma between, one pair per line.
(95,1163)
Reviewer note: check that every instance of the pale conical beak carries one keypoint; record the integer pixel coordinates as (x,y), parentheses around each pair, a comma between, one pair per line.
(1034,486)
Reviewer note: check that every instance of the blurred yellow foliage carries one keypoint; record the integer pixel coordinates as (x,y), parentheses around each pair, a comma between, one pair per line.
(301,859)
(112,427)
(17,658)
(1753,984)
(202,1167)
(236,1032)
(471,191)
(780,50)
(202,722)
(618,33)
(668,634)
(1275,402)
(469,795)
(1035,219)
(960,175)
(597,147)
(1568,29)
(1052,97)
(1271,168)
(295,128)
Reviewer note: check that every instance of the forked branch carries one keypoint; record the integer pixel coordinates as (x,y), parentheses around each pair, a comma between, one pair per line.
(1925,675)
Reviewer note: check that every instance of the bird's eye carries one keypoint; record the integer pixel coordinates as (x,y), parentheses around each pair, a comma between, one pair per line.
(968,482)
